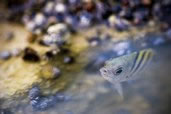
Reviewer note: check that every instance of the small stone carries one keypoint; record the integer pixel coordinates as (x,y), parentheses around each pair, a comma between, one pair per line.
(51,20)
(85,20)
(60,8)
(30,55)
(51,53)
(68,60)
(31,38)
(4,55)
(94,41)
(49,8)
(57,29)
(43,103)
(46,102)
(16,52)
(121,48)
(118,23)
(39,19)
(57,35)
(56,72)
(34,93)
(89,5)
(31,25)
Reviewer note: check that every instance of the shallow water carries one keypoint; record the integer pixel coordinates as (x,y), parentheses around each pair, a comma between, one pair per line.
(91,94)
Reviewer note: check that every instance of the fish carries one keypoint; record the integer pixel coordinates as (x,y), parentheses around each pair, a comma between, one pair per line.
(126,67)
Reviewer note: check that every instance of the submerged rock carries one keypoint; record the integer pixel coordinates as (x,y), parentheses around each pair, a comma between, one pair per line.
(57,34)
(68,59)
(41,103)
(121,48)
(34,93)
(30,55)
(5,55)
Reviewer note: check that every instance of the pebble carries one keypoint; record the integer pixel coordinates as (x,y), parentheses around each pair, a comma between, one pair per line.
(121,48)
(42,103)
(57,35)
(68,59)
(85,19)
(4,55)
(60,8)
(59,28)
(39,19)
(16,52)
(31,38)
(34,93)
(49,7)
(56,72)
(94,41)
(51,53)
(30,55)
(31,25)
(118,23)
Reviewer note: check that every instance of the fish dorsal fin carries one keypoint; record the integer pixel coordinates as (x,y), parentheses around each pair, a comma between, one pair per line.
(119,89)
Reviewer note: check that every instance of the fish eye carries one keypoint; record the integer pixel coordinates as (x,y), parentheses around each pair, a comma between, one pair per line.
(118,71)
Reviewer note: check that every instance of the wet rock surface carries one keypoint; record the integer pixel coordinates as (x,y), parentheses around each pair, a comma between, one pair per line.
(61,45)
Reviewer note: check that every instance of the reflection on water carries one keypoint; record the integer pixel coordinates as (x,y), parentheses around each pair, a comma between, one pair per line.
(91,94)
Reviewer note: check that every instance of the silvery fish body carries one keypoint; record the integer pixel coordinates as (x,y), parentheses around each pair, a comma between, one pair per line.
(126,67)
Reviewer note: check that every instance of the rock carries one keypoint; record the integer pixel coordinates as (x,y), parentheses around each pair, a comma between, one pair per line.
(30,55)
(59,28)
(94,41)
(57,35)
(4,55)
(31,25)
(39,19)
(49,8)
(51,53)
(43,103)
(16,52)
(60,8)
(31,38)
(68,59)
(121,48)
(46,102)
(85,19)
(56,72)
(34,93)
(118,23)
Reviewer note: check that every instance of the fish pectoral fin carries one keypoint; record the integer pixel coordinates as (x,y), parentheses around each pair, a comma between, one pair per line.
(118,88)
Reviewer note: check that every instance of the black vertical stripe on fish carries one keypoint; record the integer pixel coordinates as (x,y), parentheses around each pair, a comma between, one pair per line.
(135,61)
(141,55)
(145,59)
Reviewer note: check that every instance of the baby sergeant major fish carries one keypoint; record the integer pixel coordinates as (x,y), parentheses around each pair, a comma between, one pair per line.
(126,67)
